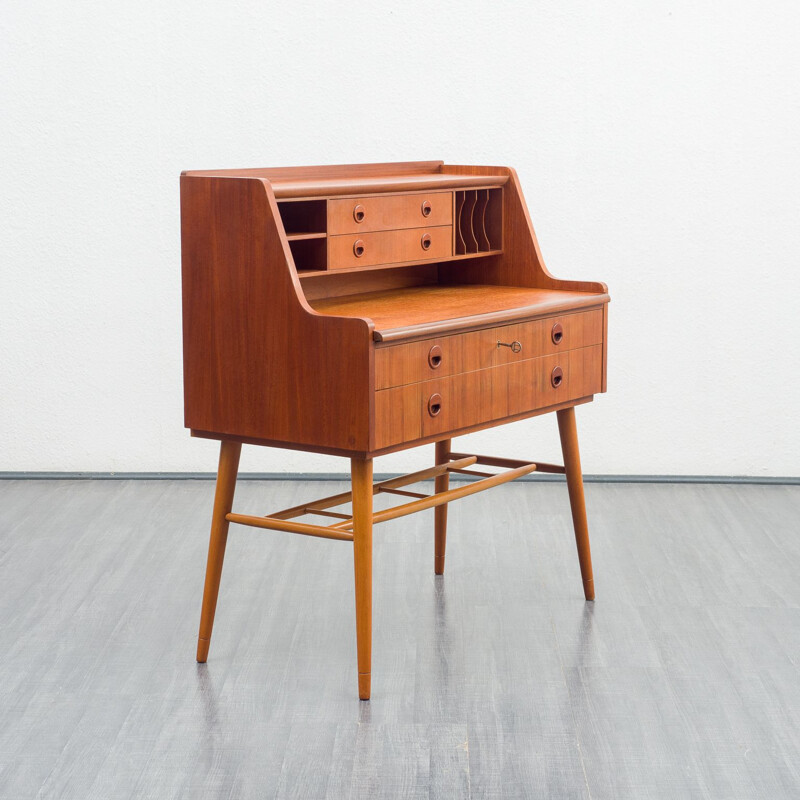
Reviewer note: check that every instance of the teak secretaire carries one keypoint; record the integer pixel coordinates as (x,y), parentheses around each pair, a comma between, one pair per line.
(358,310)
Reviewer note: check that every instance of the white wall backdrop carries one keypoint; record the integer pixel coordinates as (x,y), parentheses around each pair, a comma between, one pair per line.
(658,145)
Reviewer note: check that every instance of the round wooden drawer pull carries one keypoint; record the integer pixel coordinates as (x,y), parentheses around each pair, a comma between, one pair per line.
(434,404)
(557,334)
(427,208)
(426,241)
(359,212)
(359,247)
(557,377)
(435,357)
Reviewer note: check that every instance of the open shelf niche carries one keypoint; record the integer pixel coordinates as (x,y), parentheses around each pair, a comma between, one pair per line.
(305,223)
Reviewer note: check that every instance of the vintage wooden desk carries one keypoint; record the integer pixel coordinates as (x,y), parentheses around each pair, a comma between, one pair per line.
(362,309)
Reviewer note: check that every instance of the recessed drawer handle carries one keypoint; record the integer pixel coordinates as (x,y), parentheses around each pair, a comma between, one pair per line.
(426,241)
(516,347)
(435,357)
(359,212)
(359,247)
(557,377)
(557,334)
(434,404)
(427,208)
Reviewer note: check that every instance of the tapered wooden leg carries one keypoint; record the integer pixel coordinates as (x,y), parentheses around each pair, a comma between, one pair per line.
(223,501)
(361,474)
(442,483)
(572,462)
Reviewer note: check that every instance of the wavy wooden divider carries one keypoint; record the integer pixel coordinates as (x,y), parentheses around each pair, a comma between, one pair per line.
(467,232)
(461,245)
(478,220)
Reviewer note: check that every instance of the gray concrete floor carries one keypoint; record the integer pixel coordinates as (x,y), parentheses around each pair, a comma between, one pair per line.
(681,681)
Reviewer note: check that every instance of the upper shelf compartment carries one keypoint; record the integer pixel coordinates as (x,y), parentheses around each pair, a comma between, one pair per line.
(305,223)
(392,229)
(303,219)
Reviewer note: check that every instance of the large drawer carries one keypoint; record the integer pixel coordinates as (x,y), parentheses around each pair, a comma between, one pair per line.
(417,410)
(390,212)
(401,364)
(389,247)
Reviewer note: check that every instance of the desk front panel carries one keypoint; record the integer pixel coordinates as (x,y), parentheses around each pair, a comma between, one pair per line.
(451,403)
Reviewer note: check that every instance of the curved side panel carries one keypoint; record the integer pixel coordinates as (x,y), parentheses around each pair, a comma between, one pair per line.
(259,363)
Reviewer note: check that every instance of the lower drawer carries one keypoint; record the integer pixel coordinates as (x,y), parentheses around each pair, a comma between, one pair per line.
(417,410)
(389,247)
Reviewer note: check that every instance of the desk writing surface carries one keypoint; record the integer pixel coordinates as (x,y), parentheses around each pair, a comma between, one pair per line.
(420,309)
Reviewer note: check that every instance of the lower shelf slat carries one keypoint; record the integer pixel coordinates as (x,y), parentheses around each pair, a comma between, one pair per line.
(281,520)
(440,498)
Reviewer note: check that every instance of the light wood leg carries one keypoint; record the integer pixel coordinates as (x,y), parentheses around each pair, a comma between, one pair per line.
(361,474)
(572,462)
(442,482)
(223,501)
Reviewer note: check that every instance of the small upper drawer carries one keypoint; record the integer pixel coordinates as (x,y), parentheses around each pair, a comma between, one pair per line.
(423,360)
(389,212)
(389,247)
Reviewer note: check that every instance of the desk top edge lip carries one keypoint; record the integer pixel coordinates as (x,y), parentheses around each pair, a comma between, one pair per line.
(293,172)
(338,179)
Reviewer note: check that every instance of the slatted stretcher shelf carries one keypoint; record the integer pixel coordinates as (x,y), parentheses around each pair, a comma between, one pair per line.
(342,530)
